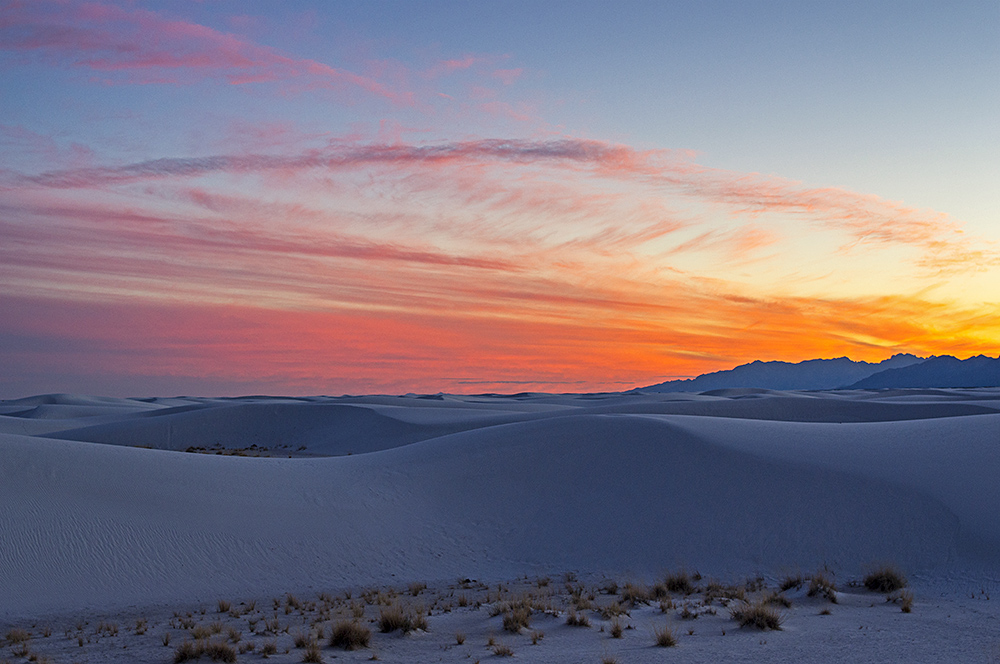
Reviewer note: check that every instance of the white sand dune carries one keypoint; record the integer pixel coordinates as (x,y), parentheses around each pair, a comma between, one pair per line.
(401,488)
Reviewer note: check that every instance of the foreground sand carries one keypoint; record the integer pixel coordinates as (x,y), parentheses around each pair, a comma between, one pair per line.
(107,518)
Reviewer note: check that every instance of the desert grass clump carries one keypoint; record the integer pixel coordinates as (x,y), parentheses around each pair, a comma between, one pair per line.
(393,617)
(165,638)
(459,638)
(906,601)
(188,650)
(759,615)
(634,594)
(574,619)
(665,637)
(822,585)
(516,618)
(18,635)
(224,606)
(678,582)
(312,654)
(775,597)
(617,630)
(503,650)
(885,579)
(350,635)
(220,652)
(790,581)
(417,587)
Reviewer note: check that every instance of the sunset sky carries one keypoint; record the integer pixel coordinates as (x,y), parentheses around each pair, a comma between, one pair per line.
(224,198)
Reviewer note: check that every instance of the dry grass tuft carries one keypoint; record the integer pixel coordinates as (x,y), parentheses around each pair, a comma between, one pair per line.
(350,636)
(575,619)
(459,638)
(393,617)
(790,582)
(617,630)
(821,584)
(679,582)
(758,615)
(665,637)
(224,606)
(18,635)
(312,654)
(885,579)
(503,650)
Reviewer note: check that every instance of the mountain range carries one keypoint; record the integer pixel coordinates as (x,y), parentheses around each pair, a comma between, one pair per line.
(900,370)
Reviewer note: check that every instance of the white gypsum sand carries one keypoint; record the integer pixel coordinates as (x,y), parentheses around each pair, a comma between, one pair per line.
(106,518)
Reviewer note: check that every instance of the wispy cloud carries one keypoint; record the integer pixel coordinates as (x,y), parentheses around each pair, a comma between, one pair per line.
(867,219)
(133,45)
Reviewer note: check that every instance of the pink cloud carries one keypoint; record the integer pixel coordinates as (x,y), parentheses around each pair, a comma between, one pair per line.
(508,76)
(142,46)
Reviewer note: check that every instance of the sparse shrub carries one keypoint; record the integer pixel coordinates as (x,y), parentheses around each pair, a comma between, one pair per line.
(201,632)
(460,638)
(516,618)
(758,615)
(140,626)
(18,635)
(234,634)
(187,651)
(687,614)
(609,659)
(312,654)
(666,605)
(826,612)
(885,579)
(821,584)
(269,648)
(165,638)
(224,606)
(790,582)
(906,601)
(247,646)
(664,637)
(350,636)
(537,636)
(679,582)
(616,628)
(575,619)
(417,587)
(220,652)
(634,594)
(463,601)
(777,598)
(503,650)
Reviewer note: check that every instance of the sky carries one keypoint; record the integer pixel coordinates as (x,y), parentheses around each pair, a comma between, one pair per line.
(227,198)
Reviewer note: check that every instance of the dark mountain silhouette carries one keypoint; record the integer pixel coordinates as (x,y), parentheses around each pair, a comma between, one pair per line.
(940,371)
(807,375)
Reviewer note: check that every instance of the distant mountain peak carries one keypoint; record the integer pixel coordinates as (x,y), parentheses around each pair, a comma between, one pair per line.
(815,374)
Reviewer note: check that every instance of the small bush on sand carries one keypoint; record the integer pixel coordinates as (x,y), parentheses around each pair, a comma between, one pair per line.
(575,619)
(220,652)
(616,628)
(224,606)
(822,585)
(187,651)
(393,617)
(885,579)
(906,601)
(758,615)
(17,635)
(664,637)
(312,654)
(350,636)
(503,650)
(516,618)
(790,582)
(679,582)
(774,597)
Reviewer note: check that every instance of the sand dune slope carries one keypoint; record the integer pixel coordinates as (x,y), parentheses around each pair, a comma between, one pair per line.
(102,525)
